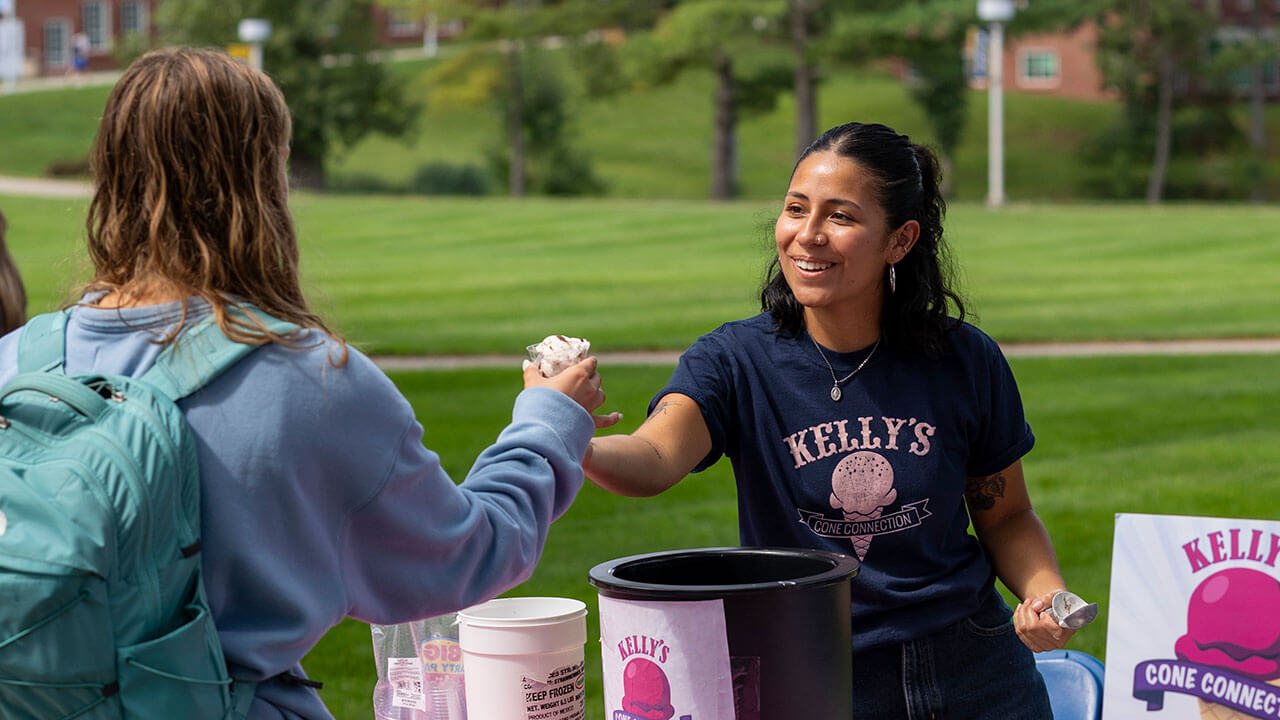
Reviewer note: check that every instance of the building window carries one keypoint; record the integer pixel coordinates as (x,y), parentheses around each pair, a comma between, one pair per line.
(402,22)
(133,18)
(57,43)
(1038,68)
(97,24)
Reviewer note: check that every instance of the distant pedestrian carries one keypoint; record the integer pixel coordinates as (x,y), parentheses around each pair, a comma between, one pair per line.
(13,296)
(79,56)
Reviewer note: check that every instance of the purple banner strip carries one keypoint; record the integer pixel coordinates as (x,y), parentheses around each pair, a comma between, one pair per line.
(1153,678)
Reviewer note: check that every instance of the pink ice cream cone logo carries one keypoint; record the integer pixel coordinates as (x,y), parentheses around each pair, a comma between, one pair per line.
(646,693)
(861,488)
(1230,656)
(1233,622)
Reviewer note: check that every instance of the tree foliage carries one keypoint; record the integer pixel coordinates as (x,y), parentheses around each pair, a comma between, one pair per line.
(929,35)
(319,56)
(724,37)
(503,68)
(1155,53)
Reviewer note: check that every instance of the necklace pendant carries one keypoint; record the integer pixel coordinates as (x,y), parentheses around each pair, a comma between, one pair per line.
(835,393)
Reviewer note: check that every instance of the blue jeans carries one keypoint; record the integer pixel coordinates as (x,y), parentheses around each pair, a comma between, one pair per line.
(975,668)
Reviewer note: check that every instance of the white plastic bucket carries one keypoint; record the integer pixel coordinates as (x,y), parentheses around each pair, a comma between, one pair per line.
(523,658)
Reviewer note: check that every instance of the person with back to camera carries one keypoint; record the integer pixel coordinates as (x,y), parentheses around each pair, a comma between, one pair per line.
(319,500)
(13,295)
(859,417)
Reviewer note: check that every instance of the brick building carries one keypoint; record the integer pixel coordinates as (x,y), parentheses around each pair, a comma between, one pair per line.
(1065,64)
(49,29)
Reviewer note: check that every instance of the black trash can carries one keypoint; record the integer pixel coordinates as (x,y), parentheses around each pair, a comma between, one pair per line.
(786,617)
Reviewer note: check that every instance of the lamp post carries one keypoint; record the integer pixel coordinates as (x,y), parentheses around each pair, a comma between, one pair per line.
(254,32)
(995,13)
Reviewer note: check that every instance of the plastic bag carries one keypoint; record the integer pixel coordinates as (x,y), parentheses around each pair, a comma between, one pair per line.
(419,668)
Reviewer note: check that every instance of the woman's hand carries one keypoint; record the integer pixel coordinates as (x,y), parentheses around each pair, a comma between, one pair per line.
(1037,627)
(580,382)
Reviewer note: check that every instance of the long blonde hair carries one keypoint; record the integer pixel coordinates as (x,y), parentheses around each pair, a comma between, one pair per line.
(13,296)
(190,191)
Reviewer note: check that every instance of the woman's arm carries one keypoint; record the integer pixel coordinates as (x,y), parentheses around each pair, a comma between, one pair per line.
(1021,552)
(665,448)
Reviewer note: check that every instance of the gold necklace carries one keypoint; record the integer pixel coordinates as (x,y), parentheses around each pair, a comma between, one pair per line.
(835,384)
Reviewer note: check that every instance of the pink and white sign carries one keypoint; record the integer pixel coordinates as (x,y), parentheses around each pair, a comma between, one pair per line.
(665,660)
(1194,625)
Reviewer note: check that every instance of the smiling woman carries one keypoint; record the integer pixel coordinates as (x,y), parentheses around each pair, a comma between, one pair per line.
(921,431)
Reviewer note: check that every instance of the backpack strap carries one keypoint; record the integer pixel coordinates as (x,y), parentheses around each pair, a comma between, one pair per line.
(241,698)
(202,353)
(42,343)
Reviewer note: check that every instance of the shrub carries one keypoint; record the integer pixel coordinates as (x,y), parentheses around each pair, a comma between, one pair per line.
(443,178)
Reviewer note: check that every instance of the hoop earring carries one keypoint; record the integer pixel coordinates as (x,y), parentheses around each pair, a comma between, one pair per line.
(893,280)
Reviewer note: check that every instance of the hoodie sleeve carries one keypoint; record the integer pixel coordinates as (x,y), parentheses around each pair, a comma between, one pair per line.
(423,545)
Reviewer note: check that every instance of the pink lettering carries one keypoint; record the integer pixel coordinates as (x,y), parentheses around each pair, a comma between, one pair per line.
(799,453)
(842,432)
(894,425)
(821,433)
(1255,545)
(1235,544)
(924,431)
(1197,558)
(1217,546)
(868,442)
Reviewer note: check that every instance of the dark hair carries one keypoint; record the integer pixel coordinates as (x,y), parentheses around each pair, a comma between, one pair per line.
(915,316)
(13,296)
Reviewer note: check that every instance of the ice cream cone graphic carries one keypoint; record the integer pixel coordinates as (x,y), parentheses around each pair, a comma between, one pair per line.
(861,488)
(1214,711)
(1233,624)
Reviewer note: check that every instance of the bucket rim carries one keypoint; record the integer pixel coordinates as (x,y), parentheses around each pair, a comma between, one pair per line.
(843,568)
(474,616)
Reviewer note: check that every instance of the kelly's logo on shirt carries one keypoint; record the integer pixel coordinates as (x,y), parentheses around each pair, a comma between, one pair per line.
(862,484)
(836,437)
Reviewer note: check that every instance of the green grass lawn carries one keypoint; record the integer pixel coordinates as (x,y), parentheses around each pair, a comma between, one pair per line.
(48,127)
(452,275)
(1168,435)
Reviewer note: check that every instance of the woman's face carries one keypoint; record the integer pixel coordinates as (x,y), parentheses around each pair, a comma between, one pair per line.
(833,238)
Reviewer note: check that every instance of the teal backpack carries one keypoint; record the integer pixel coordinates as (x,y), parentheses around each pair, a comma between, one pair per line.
(102,605)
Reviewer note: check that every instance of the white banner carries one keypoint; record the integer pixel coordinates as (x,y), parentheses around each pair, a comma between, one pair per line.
(11,49)
(665,660)
(1194,619)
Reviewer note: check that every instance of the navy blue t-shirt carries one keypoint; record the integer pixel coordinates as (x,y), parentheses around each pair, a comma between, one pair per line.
(880,474)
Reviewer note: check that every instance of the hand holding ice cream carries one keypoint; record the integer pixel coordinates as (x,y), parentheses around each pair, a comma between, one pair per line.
(562,363)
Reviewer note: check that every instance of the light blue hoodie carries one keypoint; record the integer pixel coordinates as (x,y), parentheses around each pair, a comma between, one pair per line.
(320,501)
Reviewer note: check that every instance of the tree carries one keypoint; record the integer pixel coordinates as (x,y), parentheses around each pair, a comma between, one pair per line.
(503,68)
(928,35)
(318,54)
(720,36)
(1147,48)
(803,23)
(1265,52)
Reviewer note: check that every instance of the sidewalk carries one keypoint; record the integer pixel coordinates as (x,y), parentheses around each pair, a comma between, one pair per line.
(45,187)
(59,82)
(1226,346)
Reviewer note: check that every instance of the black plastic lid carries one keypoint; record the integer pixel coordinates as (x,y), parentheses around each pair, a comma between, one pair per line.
(717,572)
